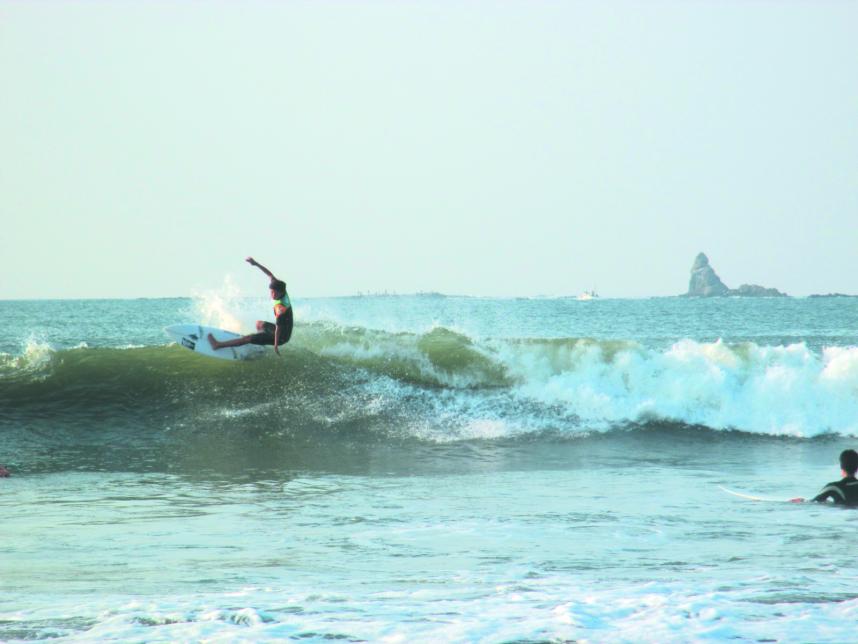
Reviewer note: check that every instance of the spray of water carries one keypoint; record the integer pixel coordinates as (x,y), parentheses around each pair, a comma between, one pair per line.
(222,307)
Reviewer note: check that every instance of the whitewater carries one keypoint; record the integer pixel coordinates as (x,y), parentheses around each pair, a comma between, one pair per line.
(428,468)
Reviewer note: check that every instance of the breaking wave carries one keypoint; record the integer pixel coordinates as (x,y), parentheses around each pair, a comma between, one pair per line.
(444,385)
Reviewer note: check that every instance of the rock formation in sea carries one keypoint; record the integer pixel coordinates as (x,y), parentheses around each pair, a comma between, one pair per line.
(831,295)
(706,283)
(755,290)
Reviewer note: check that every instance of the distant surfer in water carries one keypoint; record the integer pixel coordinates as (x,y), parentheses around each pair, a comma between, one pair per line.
(844,491)
(4,473)
(267,333)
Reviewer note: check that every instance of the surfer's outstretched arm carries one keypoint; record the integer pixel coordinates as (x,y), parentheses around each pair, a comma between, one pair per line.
(830,492)
(822,497)
(253,262)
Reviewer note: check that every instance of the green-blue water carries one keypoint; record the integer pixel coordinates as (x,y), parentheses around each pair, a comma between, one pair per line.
(428,469)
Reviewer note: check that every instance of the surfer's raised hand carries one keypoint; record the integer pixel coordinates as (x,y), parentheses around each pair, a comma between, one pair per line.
(253,262)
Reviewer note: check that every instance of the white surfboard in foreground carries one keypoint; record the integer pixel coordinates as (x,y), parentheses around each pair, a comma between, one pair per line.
(195,338)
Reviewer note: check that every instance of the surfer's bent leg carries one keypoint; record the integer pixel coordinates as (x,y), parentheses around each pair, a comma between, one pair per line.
(229,343)
(261,327)
(265,337)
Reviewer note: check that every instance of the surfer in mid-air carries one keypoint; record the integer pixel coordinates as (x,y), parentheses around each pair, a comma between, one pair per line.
(844,491)
(267,333)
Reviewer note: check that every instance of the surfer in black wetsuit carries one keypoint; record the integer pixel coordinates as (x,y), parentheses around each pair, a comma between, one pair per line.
(276,334)
(844,491)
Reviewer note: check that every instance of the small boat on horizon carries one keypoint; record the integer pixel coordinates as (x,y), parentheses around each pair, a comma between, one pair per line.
(588,295)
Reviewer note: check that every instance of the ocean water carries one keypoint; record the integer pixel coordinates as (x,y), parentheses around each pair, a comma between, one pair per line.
(429,469)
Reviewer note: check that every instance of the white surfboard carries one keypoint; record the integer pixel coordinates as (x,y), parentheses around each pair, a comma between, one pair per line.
(195,338)
(753,497)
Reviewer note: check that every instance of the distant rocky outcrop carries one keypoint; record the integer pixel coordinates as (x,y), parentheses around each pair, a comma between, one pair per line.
(706,283)
(831,295)
(755,290)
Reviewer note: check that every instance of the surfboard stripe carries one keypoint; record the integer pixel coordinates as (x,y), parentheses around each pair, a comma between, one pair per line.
(752,497)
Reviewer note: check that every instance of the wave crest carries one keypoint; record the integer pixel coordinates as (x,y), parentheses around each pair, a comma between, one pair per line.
(447,381)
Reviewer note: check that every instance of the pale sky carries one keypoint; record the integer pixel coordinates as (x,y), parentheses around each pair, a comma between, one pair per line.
(483,148)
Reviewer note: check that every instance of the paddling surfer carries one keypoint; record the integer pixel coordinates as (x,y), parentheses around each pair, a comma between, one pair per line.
(844,491)
(267,333)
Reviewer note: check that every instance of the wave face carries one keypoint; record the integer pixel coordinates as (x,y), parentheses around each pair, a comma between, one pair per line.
(440,385)
(783,390)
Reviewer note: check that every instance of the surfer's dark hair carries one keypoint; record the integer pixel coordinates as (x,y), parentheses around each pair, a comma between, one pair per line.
(278,285)
(849,461)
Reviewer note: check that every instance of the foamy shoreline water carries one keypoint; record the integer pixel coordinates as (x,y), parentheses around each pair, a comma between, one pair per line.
(485,557)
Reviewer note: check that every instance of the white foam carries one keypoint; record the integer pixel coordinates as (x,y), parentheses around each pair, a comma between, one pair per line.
(783,390)
(36,355)
(224,308)
(786,390)
(555,607)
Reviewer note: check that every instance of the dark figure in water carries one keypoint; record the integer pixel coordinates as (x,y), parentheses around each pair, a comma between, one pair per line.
(844,491)
(4,473)
(267,334)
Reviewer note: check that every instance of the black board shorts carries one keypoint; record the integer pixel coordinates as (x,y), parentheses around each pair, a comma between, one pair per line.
(266,336)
